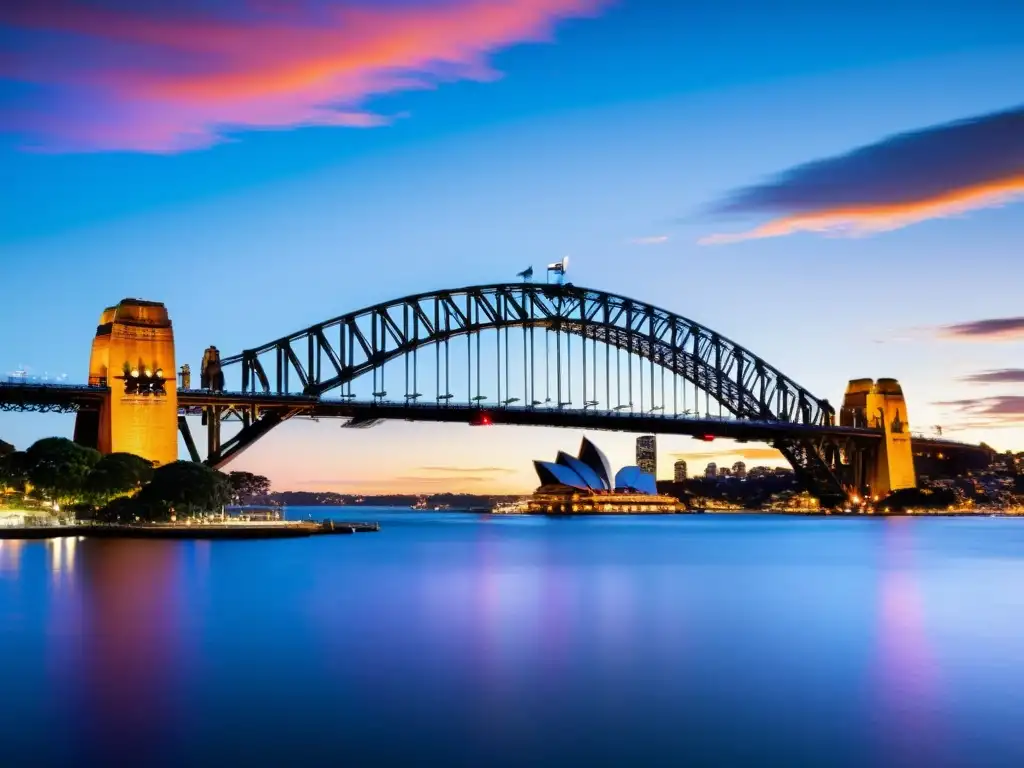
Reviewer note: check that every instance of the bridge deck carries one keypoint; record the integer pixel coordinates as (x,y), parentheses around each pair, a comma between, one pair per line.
(74,397)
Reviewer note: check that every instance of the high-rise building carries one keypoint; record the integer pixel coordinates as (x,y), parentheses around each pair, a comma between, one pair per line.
(739,469)
(680,471)
(647,454)
(711,470)
(724,472)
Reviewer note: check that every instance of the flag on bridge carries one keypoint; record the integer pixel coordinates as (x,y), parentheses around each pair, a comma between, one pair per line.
(526,274)
(558,268)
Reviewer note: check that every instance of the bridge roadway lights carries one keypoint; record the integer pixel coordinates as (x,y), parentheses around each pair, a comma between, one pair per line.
(888,466)
(133,356)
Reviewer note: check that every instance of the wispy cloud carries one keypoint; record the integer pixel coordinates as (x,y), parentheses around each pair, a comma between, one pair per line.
(986,412)
(937,172)
(996,329)
(469,470)
(1002,376)
(174,75)
(750,454)
(650,240)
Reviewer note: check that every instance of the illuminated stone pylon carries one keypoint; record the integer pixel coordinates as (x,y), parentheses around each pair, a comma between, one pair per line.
(133,355)
(880,405)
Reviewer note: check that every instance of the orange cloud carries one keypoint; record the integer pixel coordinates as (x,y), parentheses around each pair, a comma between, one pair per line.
(855,220)
(750,454)
(179,78)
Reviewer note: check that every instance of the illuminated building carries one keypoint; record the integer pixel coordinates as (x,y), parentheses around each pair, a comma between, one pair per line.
(679,474)
(584,484)
(724,472)
(647,454)
(711,470)
(739,469)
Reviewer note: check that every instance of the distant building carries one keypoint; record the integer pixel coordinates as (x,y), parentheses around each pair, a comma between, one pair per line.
(739,469)
(724,472)
(647,454)
(711,470)
(680,471)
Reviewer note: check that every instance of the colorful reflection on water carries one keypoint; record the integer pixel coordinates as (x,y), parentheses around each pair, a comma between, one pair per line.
(467,640)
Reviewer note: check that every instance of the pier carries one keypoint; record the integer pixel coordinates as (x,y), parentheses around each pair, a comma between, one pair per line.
(238,531)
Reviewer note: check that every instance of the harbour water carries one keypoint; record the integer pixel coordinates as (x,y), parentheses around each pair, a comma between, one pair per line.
(456,639)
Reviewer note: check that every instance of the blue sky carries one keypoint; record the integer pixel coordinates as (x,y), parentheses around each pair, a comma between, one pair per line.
(634,120)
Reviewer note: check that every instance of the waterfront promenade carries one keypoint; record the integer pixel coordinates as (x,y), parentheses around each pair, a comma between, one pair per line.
(220,530)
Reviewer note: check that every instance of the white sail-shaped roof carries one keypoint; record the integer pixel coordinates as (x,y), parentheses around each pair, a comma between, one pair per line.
(634,479)
(589,476)
(594,458)
(551,473)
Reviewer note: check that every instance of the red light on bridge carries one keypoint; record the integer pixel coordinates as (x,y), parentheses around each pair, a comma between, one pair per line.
(481,420)
(705,438)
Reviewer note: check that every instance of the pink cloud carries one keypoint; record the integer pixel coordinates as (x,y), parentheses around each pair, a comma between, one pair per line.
(182,78)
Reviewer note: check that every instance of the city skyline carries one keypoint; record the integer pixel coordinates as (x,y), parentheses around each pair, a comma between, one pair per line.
(771,189)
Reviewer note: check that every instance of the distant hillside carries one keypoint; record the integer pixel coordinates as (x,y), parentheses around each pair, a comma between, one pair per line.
(329,499)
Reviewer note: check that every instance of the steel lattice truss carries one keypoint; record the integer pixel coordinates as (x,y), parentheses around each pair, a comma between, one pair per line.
(40,397)
(28,407)
(331,354)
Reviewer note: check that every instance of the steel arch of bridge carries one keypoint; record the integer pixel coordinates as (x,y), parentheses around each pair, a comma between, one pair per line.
(330,355)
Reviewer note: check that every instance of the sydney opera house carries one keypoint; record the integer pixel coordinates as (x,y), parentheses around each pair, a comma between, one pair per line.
(584,485)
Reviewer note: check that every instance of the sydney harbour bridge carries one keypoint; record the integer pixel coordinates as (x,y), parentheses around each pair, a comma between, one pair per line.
(555,355)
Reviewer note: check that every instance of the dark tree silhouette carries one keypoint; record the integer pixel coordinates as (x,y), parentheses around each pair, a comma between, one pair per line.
(117,474)
(59,468)
(184,489)
(14,470)
(247,488)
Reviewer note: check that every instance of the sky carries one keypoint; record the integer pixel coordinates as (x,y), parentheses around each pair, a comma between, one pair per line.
(838,187)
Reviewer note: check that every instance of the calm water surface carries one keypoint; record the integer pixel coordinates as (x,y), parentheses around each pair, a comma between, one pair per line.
(451,639)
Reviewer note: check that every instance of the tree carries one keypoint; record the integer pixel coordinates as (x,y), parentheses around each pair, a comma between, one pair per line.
(14,470)
(247,488)
(117,474)
(186,489)
(123,509)
(59,468)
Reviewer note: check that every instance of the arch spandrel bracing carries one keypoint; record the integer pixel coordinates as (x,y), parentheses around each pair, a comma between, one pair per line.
(327,357)
(324,357)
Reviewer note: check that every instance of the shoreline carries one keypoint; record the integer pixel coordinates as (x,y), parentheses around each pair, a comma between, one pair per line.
(188,532)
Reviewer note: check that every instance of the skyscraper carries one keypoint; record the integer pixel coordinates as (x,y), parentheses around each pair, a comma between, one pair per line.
(680,471)
(711,470)
(647,454)
(739,469)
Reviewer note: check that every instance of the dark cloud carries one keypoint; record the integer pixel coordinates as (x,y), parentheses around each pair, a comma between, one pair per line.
(1003,376)
(996,328)
(909,166)
(910,177)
